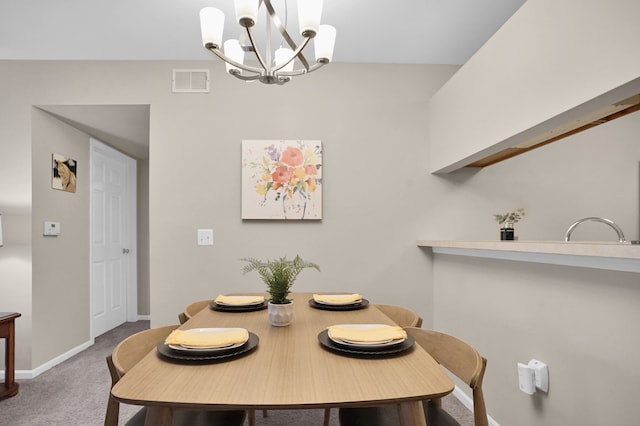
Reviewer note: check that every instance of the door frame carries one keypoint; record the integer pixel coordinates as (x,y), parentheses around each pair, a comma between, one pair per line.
(131,230)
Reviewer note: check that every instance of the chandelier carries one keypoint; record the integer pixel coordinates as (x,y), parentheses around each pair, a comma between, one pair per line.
(274,67)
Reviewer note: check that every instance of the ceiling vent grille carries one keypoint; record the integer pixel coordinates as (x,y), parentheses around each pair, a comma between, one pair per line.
(190,81)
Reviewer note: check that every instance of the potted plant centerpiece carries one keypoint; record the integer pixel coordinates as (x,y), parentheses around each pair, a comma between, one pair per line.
(279,275)
(507,222)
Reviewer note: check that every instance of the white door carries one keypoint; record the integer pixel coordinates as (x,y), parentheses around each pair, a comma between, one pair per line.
(113,234)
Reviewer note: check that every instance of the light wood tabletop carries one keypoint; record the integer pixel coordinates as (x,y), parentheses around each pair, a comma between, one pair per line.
(289,369)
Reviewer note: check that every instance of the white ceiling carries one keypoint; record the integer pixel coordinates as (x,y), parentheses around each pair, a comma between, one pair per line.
(368,31)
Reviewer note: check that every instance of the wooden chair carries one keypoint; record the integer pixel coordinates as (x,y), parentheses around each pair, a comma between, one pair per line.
(186,315)
(452,353)
(195,307)
(127,354)
(402,316)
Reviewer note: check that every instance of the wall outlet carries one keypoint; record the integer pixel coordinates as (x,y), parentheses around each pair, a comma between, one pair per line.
(526,379)
(541,374)
(532,376)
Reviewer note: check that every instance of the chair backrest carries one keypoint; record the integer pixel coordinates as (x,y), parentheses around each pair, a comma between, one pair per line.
(124,356)
(195,307)
(137,346)
(461,359)
(128,353)
(113,406)
(402,316)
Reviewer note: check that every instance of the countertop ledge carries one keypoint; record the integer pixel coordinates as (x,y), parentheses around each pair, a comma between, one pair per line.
(578,248)
(589,254)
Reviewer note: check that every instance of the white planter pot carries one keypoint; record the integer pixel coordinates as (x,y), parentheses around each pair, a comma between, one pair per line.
(280,315)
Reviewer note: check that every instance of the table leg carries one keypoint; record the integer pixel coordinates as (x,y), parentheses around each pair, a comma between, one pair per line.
(412,414)
(158,416)
(7,331)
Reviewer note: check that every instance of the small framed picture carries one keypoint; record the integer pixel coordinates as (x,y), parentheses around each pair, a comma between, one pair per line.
(64,173)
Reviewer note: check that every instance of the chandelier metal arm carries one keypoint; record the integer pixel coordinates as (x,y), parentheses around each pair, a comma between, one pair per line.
(287,37)
(311,69)
(257,52)
(244,77)
(297,52)
(215,50)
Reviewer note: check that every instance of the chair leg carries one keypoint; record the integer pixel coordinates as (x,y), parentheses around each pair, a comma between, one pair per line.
(436,402)
(327,416)
(113,412)
(264,413)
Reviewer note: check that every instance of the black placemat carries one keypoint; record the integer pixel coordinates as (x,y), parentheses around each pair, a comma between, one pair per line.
(213,355)
(244,308)
(346,349)
(350,307)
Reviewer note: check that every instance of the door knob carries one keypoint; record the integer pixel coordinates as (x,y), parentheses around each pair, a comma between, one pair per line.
(125,251)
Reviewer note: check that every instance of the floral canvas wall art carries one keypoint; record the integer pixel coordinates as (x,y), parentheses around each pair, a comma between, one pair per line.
(282,179)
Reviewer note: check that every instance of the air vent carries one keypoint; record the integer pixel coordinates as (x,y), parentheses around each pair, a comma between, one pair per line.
(190,81)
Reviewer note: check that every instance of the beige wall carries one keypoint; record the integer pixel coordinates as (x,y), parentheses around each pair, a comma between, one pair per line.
(377,129)
(142,209)
(61,263)
(371,121)
(594,173)
(378,200)
(548,60)
(580,321)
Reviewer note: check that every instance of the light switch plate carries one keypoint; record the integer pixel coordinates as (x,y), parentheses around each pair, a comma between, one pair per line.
(205,237)
(52,228)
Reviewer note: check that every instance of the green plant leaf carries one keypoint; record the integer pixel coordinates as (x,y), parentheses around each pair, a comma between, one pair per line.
(278,274)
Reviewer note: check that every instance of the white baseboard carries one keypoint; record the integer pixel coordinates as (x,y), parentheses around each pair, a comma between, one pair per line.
(468,402)
(30,374)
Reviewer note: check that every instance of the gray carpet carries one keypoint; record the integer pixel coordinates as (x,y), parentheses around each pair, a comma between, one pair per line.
(75,392)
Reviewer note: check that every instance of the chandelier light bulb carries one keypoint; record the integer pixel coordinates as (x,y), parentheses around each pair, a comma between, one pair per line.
(247,12)
(233,51)
(212,26)
(309,14)
(283,55)
(324,43)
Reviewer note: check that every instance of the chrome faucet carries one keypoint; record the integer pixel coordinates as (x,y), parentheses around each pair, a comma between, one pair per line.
(596,219)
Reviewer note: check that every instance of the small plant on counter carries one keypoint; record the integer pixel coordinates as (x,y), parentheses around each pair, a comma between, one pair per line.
(510,218)
(278,275)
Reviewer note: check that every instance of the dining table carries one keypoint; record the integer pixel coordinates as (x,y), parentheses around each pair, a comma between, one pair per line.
(288,368)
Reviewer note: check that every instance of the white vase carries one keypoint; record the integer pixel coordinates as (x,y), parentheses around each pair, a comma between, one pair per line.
(280,315)
(294,206)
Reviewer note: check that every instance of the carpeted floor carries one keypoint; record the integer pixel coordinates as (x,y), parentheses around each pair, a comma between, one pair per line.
(76,392)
